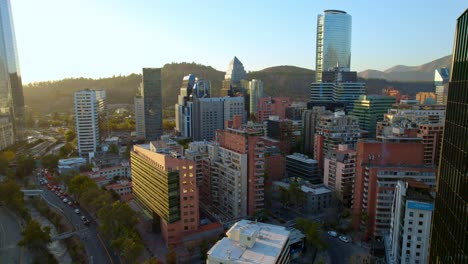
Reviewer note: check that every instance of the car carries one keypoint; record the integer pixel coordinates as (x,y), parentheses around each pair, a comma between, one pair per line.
(343,238)
(46,181)
(65,194)
(70,203)
(332,233)
(85,220)
(65,200)
(77,211)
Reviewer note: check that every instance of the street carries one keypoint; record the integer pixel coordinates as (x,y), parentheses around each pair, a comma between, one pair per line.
(340,252)
(10,235)
(96,251)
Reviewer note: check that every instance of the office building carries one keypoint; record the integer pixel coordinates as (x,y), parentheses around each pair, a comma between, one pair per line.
(370,109)
(449,232)
(339,172)
(272,106)
(7,136)
(165,187)
(426,97)
(300,166)
(151,91)
(310,119)
(252,242)
(379,166)
(285,131)
(256,92)
(441,80)
(90,118)
(333,130)
(11,87)
(333,47)
(235,79)
(410,229)
(139,104)
(210,114)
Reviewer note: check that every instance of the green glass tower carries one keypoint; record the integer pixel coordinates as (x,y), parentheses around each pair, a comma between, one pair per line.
(370,110)
(449,236)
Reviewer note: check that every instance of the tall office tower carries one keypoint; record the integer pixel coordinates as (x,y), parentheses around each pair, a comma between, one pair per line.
(139,104)
(408,240)
(183,109)
(379,166)
(310,119)
(337,87)
(210,114)
(339,172)
(11,87)
(333,130)
(272,106)
(426,97)
(333,48)
(165,186)
(441,79)
(151,91)
(449,232)
(235,74)
(255,92)
(370,109)
(90,110)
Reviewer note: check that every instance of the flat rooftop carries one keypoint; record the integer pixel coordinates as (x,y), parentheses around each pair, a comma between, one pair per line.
(250,242)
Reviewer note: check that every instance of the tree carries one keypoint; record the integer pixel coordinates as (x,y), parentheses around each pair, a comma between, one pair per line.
(4,163)
(116,219)
(70,135)
(113,148)
(81,183)
(50,162)
(152,261)
(284,196)
(171,256)
(12,197)
(35,238)
(312,232)
(25,165)
(130,247)
(66,150)
(203,249)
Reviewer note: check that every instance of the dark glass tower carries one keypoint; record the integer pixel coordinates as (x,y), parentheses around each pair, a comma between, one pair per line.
(449,239)
(11,88)
(152,97)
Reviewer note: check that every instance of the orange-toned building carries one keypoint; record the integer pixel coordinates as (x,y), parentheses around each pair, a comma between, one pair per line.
(379,166)
(272,106)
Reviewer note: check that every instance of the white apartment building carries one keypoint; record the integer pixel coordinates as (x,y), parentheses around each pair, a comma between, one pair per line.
(139,116)
(410,231)
(90,109)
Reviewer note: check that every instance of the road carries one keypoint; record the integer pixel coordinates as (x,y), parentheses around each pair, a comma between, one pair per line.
(340,252)
(10,235)
(96,251)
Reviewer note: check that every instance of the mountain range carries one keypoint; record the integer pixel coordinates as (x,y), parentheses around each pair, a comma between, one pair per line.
(57,96)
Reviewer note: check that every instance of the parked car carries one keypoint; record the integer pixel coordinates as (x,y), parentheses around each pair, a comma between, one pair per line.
(332,233)
(70,203)
(65,200)
(85,220)
(344,239)
(77,211)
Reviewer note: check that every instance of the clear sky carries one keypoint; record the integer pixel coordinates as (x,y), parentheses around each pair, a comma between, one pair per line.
(100,38)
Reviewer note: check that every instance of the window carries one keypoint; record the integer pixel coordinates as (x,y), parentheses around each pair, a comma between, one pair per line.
(420,223)
(419,231)
(421,215)
(411,214)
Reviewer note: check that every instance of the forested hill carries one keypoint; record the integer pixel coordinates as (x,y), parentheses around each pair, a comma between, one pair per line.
(57,96)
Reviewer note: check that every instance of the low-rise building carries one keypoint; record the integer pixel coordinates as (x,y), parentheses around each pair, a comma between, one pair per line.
(301,166)
(110,172)
(121,188)
(71,164)
(252,242)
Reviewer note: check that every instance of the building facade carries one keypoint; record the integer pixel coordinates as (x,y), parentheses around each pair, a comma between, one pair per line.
(300,166)
(272,106)
(449,232)
(423,97)
(441,80)
(370,109)
(333,47)
(310,120)
(11,87)
(7,136)
(90,111)
(139,104)
(151,92)
(256,91)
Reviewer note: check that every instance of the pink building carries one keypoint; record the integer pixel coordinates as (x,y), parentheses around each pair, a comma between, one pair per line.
(272,106)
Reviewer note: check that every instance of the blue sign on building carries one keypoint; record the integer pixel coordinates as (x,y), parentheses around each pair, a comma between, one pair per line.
(420,206)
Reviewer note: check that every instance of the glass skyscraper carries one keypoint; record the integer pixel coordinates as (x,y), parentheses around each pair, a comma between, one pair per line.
(449,240)
(11,88)
(333,42)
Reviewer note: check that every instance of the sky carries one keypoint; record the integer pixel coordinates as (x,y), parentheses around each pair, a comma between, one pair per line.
(59,39)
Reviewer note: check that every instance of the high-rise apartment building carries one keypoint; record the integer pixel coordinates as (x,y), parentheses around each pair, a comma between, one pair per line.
(165,186)
(7,137)
(339,172)
(441,80)
(370,109)
(272,106)
(90,118)
(256,92)
(151,91)
(333,42)
(11,87)
(210,114)
(139,104)
(449,233)
(310,119)
(379,166)
(410,228)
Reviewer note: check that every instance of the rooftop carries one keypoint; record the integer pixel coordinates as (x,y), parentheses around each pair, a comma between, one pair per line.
(302,157)
(250,242)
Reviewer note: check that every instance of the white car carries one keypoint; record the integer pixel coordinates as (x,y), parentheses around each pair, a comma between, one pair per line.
(65,200)
(77,211)
(344,239)
(332,233)
(70,203)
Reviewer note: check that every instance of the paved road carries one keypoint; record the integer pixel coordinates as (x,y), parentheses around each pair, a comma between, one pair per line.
(10,235)
(341,252)
(96,251)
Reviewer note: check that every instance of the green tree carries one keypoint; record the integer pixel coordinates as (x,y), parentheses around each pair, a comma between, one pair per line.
(35,238)
(152,261)
(4,163)
(12,197)
(312,232)
(116,219)
(129,247)
(80,184)
(25,165)
(171,256)
(113,148)
(70,135)
(50,162)
(66,150)
(284,196)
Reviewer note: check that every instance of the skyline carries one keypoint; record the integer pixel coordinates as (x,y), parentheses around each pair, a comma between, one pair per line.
(74,44)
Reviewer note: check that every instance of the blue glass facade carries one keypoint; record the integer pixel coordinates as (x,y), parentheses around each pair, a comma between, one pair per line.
(333,42)
(11,88)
